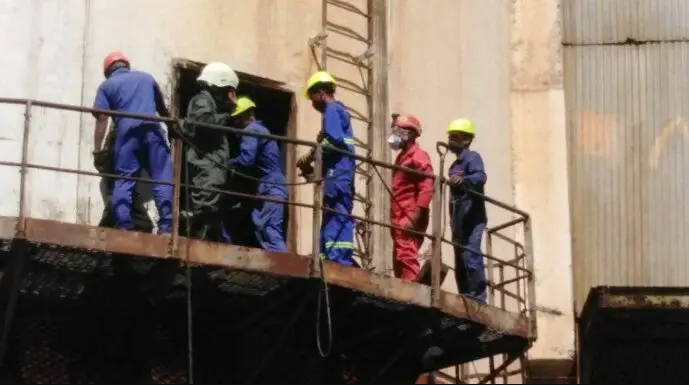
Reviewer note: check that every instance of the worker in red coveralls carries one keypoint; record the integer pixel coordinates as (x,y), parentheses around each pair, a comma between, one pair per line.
(411,195)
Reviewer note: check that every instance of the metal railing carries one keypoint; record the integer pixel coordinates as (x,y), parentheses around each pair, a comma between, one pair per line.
(521,263)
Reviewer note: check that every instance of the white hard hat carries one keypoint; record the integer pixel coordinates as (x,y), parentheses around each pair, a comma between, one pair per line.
(219,74)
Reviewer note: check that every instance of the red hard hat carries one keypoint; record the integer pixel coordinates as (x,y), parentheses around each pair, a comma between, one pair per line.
(112,58)
(410,122)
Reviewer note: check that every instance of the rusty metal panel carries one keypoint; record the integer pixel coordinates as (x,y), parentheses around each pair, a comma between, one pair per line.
(615,21)
(623,331)
(628,143)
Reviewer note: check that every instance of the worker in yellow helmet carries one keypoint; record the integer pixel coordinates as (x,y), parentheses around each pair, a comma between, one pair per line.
(467,211)
(337,234)
(261,157)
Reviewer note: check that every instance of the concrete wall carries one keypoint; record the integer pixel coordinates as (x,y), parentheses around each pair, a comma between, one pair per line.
(440,82)
(540,167)
(490,61)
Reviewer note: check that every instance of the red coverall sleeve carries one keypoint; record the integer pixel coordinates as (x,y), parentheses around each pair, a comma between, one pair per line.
(423,164)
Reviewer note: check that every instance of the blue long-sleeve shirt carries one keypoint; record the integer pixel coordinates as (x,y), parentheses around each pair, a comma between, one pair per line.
(264,158)
(337,132)
(124,90)
(470,164)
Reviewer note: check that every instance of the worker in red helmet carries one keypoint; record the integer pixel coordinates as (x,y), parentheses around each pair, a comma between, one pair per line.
(138,143)
(411,195)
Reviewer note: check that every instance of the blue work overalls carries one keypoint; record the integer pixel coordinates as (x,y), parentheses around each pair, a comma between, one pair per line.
(337,233)
(138,143)
(261,157)
(468,220)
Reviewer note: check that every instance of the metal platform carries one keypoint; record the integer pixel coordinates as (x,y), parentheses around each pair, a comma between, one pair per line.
(634,335)
(254,315)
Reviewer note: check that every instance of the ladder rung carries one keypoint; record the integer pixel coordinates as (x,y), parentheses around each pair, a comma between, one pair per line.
(367,177)
(346,57)
(356,114)
(346,31)
(361,199)
(361,119)
(347,7)
(360,143)
(353,89)
(350,85)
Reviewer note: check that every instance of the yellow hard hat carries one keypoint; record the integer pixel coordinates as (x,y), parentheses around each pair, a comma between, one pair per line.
(243,104)
(319,77)
(461,125)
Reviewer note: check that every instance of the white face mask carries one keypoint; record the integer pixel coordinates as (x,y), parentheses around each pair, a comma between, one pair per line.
(395,142)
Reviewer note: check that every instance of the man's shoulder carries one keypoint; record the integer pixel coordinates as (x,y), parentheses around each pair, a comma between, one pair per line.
(420,153)
(201,99)
(471,154)
(258,126)
(140,74)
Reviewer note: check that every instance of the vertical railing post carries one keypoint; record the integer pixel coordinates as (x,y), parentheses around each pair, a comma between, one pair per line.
(490,268)
(21,223)
(19,248)
(176,192)
(531,283)
(317,211)
(436,254)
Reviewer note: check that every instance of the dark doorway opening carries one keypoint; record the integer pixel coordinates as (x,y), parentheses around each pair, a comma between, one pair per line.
(274,109)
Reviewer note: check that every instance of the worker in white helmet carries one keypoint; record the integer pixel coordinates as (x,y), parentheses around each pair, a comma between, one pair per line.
(208,153)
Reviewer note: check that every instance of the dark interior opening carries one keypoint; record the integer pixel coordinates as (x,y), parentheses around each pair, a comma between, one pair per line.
(273,108)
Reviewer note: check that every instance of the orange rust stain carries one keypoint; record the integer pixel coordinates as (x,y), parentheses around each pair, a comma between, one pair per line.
(676,126)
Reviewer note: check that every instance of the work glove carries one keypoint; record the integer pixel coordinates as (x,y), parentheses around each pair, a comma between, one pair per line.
(456,179)
(102,161)
(305,160)
(176,131)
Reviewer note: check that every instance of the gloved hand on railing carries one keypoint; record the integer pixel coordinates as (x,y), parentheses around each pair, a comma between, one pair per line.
(102,161)
(456,179)
(305,160)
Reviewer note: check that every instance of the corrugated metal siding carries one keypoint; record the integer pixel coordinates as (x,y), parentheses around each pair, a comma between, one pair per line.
(628,140)
(614,21)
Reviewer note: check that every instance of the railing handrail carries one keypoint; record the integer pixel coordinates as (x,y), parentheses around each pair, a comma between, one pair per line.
(287,139)
(439,185)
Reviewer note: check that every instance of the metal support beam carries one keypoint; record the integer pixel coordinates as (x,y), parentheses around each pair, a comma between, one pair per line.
(9,290)
(498,371)
(391,361)
(379,130)
(281,339)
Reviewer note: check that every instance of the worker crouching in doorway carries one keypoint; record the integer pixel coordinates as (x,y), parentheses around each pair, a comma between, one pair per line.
(208,150)
(467,211)
(411,196)
(260,158)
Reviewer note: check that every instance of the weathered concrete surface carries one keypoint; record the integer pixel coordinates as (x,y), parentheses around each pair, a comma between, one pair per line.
(540,166)
(440,82)
(457,58)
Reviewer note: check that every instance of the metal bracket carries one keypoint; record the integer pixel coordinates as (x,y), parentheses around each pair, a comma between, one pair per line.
(367,55)
(318,39)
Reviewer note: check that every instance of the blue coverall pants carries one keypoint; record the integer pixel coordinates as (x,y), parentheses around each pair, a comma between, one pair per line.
(268,221)
(143,144)
(469,267)
(337,234)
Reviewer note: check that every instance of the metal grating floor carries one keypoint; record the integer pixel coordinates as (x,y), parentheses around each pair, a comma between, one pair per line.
(77,320)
